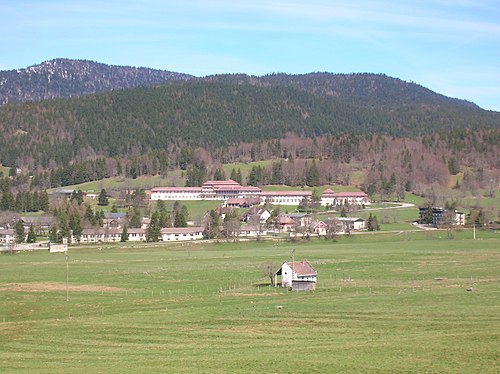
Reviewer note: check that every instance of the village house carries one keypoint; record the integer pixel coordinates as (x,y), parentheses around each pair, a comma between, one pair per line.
(319,228)
(7,236)
(328,198)
(285,197)
(110,235)
(238,202)
(181,233)
(256,215)
(439,213)
(41,224)
(300,219)
(136,234)
(114,220)
(352,224)
(249,231)
(285,223)
(297,275)
(99,235)
(350,198)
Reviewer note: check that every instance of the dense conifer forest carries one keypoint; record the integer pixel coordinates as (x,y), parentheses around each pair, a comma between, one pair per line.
(195,124)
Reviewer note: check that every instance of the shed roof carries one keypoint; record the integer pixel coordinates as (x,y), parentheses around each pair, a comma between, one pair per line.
(302,268)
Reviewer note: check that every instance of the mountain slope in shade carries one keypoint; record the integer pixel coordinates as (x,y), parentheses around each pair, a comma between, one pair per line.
(63,78)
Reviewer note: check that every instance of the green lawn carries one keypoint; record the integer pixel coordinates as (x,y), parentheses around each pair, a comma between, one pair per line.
(173,178)
(384,303)
(4,170)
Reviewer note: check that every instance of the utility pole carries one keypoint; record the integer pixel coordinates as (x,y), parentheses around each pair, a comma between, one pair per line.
(67,275)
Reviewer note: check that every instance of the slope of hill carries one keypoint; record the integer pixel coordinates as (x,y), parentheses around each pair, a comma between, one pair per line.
(218,111)
(371,89)
(62,78)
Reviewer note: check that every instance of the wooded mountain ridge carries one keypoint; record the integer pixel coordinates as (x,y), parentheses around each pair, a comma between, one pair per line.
(223,111)
(63,78)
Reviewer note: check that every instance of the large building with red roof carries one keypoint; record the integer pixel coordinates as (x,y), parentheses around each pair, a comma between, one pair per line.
(229,189)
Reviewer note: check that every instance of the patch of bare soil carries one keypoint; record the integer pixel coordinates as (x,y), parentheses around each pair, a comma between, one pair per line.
(55,286)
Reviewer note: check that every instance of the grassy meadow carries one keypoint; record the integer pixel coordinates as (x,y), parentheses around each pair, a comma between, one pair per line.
(385,302)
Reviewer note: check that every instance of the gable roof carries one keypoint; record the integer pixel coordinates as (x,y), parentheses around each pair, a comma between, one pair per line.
(328,193)
(302,268)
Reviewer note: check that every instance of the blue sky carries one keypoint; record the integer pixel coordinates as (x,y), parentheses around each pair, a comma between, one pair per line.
(449,46)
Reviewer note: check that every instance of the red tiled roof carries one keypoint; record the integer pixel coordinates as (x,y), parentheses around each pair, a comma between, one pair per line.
(182,230)
(286,193)
(328,193)
(176,189)
(350,194)
(285,220)
(236,200)
(302,268)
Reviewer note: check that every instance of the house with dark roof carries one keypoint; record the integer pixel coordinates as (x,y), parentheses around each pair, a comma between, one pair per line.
(256,215)
(297,275)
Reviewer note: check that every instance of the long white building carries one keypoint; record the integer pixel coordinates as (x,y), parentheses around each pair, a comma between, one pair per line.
(229,189)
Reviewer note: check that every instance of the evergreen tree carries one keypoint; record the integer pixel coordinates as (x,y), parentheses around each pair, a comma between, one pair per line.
(427,217)
(343,212)
(154,229)
(212,225)
(19,229)
(103,198)
(53,235)
(312,178)
(219,175)
(369,223)
(124,235)
(239,178)
(8,201)
(453,166)
(89,215)
(43,201)
(75,226)
(77,196)
(100,218)
(233,174)
(135,219)
(31,235)
(180,220)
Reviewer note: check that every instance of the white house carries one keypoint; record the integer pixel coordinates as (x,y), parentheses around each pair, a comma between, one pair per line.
(318,228)
(285,197)
(136,234)
(181,233)
(351,198)
(251,231)
(7,236)
(299,275)
(328,198)
(256,215)
(352,224)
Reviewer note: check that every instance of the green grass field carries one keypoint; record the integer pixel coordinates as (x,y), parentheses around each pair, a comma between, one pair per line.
(384,303)
(4,170)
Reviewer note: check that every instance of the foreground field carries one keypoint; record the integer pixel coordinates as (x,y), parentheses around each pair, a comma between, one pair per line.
(398,303)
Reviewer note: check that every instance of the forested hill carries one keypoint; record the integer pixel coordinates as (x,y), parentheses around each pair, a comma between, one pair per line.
(63,78)
(372,89)
(217,112)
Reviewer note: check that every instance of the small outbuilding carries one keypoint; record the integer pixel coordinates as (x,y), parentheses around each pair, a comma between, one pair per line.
(297,275)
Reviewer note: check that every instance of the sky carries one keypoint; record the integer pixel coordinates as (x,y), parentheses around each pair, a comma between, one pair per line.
(449,46)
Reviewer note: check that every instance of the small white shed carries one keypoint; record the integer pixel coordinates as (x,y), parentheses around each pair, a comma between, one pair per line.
(298,275)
